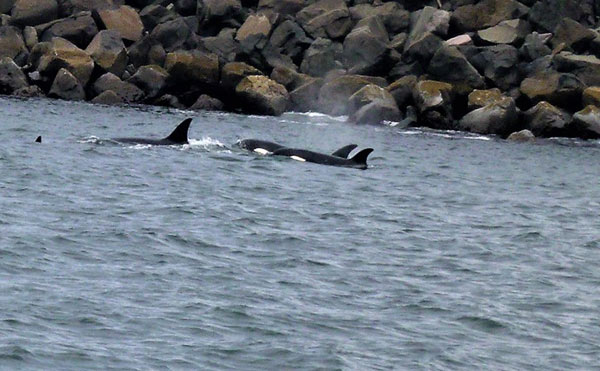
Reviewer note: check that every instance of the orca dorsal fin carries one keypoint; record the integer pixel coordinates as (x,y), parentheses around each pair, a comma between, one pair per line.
(180,134)
(38,139)
(361,157)
(344,151)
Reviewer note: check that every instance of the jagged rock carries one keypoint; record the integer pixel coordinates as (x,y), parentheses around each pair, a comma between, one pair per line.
(49,57)
(126,91)
(511,32)
(372,105)
(499,118)
(321,57)
(66,86)
(193,67)
(365,48)
(498,64)
(423,48)
(186,7)
(393,16)
(155,14)
(30,36)
(546,14)
(108,51)
(402,90)
(430,20)
(326,19)
(109,98)
(334,94)
(481,98)
(216,12)
(34,12)
(6,5)
(255,28)
(486,13)
(138,51)
(222,45)
(560,89)
(305,98)
(11,42)
(289,78)
(70,7)
(522,136)
(31,91)
(573,35)
(585,67)
(11,76)
(281,6)
(123,19)
(152,79)
(172,35)
(433,100)
(291,40)
(546,120)
(261,95)
(207,103)
(234,72)
(534,47)
(586,123)
(591,96)
(168,100)
(459,40)
(403,68)
(450,65)
(79,29)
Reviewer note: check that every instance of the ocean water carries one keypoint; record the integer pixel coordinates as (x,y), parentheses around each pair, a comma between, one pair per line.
(452,251)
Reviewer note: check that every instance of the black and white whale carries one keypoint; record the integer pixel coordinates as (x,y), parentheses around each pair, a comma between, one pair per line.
(358,161)
(178,136)
(264,147)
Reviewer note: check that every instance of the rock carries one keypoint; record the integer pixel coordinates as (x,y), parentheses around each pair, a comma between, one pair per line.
(218,12)
(545,15)
(586,123)
(534,47)
(255,28)
(6,5)
(326,19)
(128,92)
(591,96)
(486,13)
(289,78)
(155,14)
(393,16)
(49,57)
(223,45)
(109,98)
(305,98)
(123,19)
(34,12)
(207,103)
(193,67)
(283,7)
(434,104)
(450,65)
(30,36)
(321,57)
(261,95)
(31,91)
(365,48)
(373,105)
(402,90)
(70,7)
(233,73)
(498,64)
(152,79)
(79,29)
(560,89)
(173,35)
(334,94)
(138,51)
(403,68)
(11,77)
(168,100)
(66,86)
(291,40)
(423,48)
(511,32)
(574,36)
(499,118)
(545,120)
(430,20)
(108,51)
(459,40)
(522,136)
(11,42)
(585,67)
(481,98)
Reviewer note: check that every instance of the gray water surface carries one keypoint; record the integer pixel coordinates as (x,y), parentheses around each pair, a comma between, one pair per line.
(452,251)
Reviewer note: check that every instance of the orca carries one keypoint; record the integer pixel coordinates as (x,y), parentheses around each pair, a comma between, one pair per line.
(38,139)
(358,161)
(264,147)
(178,136)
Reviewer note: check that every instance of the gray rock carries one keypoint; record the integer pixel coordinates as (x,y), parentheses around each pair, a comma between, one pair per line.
(423,48)
(560,89)
(481,98)
(450,65)
(433,100)
(321,57)
(261,95)
(223,45)
(172,35)
(284,7)
(207,103)
(108,51)
(373,105)
(326,19)
(152,79)
(124,19)
(499,118)
(534,47)
(66,86)
(402,90)
(78,29)
(31,91)
(219,12)
(30,36)
(545,15)
(586,123)
(109,98)
(49,57)
(193,67)
(521,136)
(11,76)
(233,73)
(498,64)
(430,20)
(365,48)
(168,100)
(305,97)
(34,12)
(11,42)
(591,96)
(155,14)
(511,32)
(486,13)
(572,35)
(126,91)
(291,40)
(546,120)
(335,93)
(585,67)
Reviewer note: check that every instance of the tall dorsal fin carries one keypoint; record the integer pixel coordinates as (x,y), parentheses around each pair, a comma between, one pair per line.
(38,139)
(344,151)
(180,134)
(361,157)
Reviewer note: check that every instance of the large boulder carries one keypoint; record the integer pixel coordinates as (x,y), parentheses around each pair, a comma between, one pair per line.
(109,52)
(534,47)
(11,76)
(365,48)
(152,79)
(511,32)
(546,120)
(560,89)
(128,92)
(285,7)
(124,19)
(109,98)
(591,96)
(521,136)
(423,47)
(499,118)
(6,6)
(78,29)
(223,45)
(372,105)
(155,14)
(289,38)
(430,20)
(219,12)
(321,57)
(34,12)
(261,95)
(193,67)
(433,100)
(545,15)
(11,42)
(498,64)
(234,72)
(334,94)
(572,36)
(402,90)
(585,67)
(289,78)
(326,18)
(66,86)
(207,103)
(481,98)
(586,123)
(173,35)
(254,29)
(486,13)
(49,57)
(450,65)
(305,97)
(395,18)
(70,7)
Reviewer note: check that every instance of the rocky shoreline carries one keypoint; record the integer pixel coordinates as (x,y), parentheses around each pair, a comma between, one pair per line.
(490,67)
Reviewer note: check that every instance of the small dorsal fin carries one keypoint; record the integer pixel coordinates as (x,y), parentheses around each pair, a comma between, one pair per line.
(180,134)
(361,157)
(344,151)
(38,139)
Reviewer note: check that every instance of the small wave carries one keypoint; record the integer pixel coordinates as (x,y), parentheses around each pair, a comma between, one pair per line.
(482,323)
(321,115)
(447,134)
(205,143)
(92,139)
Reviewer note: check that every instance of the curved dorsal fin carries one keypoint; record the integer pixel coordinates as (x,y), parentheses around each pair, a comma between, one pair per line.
(361,157)
(344,151)
(180,134)
(38,139)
